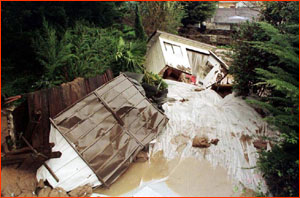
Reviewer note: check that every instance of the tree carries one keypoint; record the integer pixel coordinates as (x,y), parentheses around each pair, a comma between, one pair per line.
(280,13)
(284,15)
(139,29)
(162,15)
(266,61)
(20,22)
(281,165)
(53,54)
(247,58)
(198,11)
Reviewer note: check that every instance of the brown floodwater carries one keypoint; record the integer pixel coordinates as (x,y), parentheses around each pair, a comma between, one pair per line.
(156,168)
(186,177)
(195,178)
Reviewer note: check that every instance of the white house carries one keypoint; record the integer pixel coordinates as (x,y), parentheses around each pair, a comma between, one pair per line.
(165,50)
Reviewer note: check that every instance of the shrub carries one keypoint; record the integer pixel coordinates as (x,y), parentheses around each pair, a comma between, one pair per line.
(266,62)
(85,51)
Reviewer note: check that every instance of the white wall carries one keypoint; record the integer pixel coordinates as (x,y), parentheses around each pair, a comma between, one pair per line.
(155,61)
(70,169)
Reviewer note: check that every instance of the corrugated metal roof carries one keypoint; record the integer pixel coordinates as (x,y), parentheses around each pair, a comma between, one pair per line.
(234,15)
(110,126)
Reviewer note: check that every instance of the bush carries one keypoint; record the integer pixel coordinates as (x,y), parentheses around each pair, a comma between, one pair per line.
(266,63)
(247,58)
(155,80)
(280,170)
(85,51)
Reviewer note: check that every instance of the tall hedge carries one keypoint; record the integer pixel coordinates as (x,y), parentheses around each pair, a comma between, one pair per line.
(266,64)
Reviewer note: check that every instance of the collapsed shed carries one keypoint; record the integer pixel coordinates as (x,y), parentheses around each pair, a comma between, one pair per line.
(187,56)
(31,119)
(100,135)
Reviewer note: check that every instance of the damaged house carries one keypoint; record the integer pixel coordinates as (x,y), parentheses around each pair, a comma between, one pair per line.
(178,58)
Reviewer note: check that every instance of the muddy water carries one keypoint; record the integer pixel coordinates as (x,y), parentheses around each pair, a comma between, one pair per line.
(186,177)
(198,178)
(156,168)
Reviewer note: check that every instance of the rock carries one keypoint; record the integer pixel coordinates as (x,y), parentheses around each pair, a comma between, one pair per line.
(214,141)
(27,194)
(201,142)
(58,192)
(248,193)
(199,89)
(44,192)
(183,100)
(11,190)
(260,144)
(142,156)
(17,181)
(27,182)
(81,191)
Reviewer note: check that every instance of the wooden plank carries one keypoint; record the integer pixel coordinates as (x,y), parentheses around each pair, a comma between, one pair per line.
(109,74)
(56,103)
(66,97)
(93,83)
(35,105)
(44,125)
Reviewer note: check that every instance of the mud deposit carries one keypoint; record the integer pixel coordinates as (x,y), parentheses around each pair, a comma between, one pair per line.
(156,168)
(186,177)
(17,182)
(199,179)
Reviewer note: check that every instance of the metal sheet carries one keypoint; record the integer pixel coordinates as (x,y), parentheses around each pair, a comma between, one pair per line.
(110,126)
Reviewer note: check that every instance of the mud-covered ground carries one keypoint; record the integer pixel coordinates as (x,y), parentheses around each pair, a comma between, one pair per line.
(22,183)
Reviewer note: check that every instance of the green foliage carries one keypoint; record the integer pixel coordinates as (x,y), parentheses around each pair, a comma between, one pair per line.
(93,48)
(247,58)
(280,13)
(155,80)
(130,56)
(139,29)
(198,11)
(54,55)
(20,22)
(161,15)
(280,170)
(85,51)
(266,63)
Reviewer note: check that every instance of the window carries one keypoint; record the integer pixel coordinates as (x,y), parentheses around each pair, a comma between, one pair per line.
(173,49)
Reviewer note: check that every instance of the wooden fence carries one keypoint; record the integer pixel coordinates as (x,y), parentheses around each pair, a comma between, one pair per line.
(32,117)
